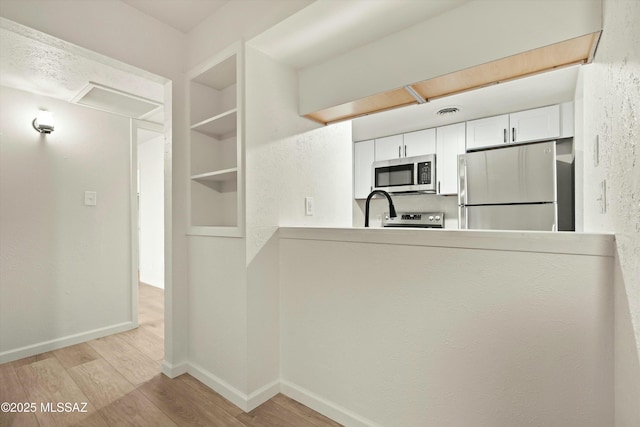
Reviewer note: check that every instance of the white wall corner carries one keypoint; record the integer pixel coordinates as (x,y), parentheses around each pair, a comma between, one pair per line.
(219,385)
(235,396)
(261,395)
(176,370)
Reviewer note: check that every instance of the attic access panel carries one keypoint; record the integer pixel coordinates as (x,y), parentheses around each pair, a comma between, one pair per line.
(115,101)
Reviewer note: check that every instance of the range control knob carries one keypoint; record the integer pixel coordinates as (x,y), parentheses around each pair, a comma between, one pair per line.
(431,218)
(437,217)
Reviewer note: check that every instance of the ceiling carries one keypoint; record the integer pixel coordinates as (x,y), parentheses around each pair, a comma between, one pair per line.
(317,32)
(38,63)
(183,15)
(327,28)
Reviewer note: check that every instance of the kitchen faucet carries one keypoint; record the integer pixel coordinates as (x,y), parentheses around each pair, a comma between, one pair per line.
(392,209)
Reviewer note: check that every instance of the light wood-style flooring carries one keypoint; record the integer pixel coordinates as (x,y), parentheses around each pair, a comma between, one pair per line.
(119,379)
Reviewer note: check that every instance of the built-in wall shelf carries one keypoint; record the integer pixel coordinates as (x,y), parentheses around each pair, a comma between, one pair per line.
(221,126)
(215,231)
(216,196)
(217,176)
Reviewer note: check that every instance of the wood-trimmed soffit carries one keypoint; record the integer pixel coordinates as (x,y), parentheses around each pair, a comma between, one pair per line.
(579,50)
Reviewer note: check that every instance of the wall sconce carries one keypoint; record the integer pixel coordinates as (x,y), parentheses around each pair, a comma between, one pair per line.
(43,122)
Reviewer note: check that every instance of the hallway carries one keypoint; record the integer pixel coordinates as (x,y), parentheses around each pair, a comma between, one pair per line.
(119,379)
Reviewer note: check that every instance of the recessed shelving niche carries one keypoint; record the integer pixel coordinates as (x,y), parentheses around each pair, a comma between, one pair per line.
(216,144)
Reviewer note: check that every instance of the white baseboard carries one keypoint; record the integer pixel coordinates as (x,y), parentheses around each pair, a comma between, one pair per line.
(235,396)
(219,385)
(42,347)
(263,394)
(173,371)
(324,406)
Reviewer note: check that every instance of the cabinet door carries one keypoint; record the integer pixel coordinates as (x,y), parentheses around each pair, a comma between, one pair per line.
(419,143)
(389,147)
(363,155)
(449,143)
(535,125)
(488,132)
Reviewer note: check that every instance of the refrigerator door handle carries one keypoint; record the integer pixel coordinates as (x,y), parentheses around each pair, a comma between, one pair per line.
(463,221)
(462,215)
(462,180)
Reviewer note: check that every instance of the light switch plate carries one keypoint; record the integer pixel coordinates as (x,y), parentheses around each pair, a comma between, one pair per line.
(308,206)
(90,198)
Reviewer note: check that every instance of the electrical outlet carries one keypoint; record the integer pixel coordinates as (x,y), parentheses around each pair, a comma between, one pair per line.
(90,198)
(308,206)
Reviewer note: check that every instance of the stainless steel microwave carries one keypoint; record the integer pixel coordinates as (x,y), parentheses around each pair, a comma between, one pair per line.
(406,175)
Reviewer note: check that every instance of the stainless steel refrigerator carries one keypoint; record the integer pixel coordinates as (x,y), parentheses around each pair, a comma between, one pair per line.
(509,188)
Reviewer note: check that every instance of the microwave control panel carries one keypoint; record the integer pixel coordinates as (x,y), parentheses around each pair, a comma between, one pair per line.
(424,173)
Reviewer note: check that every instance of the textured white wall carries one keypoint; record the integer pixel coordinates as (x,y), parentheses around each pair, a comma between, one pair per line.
(217,309)
(151,205)
(287,158)
(402,335)
(611,104)
(64,267)
(119,31)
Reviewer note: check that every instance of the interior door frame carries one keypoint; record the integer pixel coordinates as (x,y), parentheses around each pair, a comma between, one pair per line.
(135,125)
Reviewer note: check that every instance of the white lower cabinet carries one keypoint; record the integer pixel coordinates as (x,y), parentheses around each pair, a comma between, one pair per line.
(363,157)
(450,141)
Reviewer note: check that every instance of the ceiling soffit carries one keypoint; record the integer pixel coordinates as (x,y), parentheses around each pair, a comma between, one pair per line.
(578,50)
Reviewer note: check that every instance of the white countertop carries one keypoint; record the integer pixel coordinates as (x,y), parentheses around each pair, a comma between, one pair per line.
(595,244)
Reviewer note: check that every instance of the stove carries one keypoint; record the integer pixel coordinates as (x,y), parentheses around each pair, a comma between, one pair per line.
(414,220)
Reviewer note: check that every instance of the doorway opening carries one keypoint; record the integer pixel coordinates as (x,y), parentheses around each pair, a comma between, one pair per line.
(148,142)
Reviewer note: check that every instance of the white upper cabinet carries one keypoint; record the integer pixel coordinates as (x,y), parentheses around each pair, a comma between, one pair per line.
(363,157)
(535,125)
(487,132)
(419,143)
(524,126)
(389,147)
(406,145)
(450,142)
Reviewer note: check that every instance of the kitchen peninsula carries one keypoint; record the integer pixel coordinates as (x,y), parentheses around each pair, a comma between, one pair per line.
(447,319)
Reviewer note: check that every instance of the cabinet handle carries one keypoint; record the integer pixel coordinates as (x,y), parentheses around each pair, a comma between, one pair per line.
(504,133)
(438,187)
(513,134)
(405,151)
(399,152)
